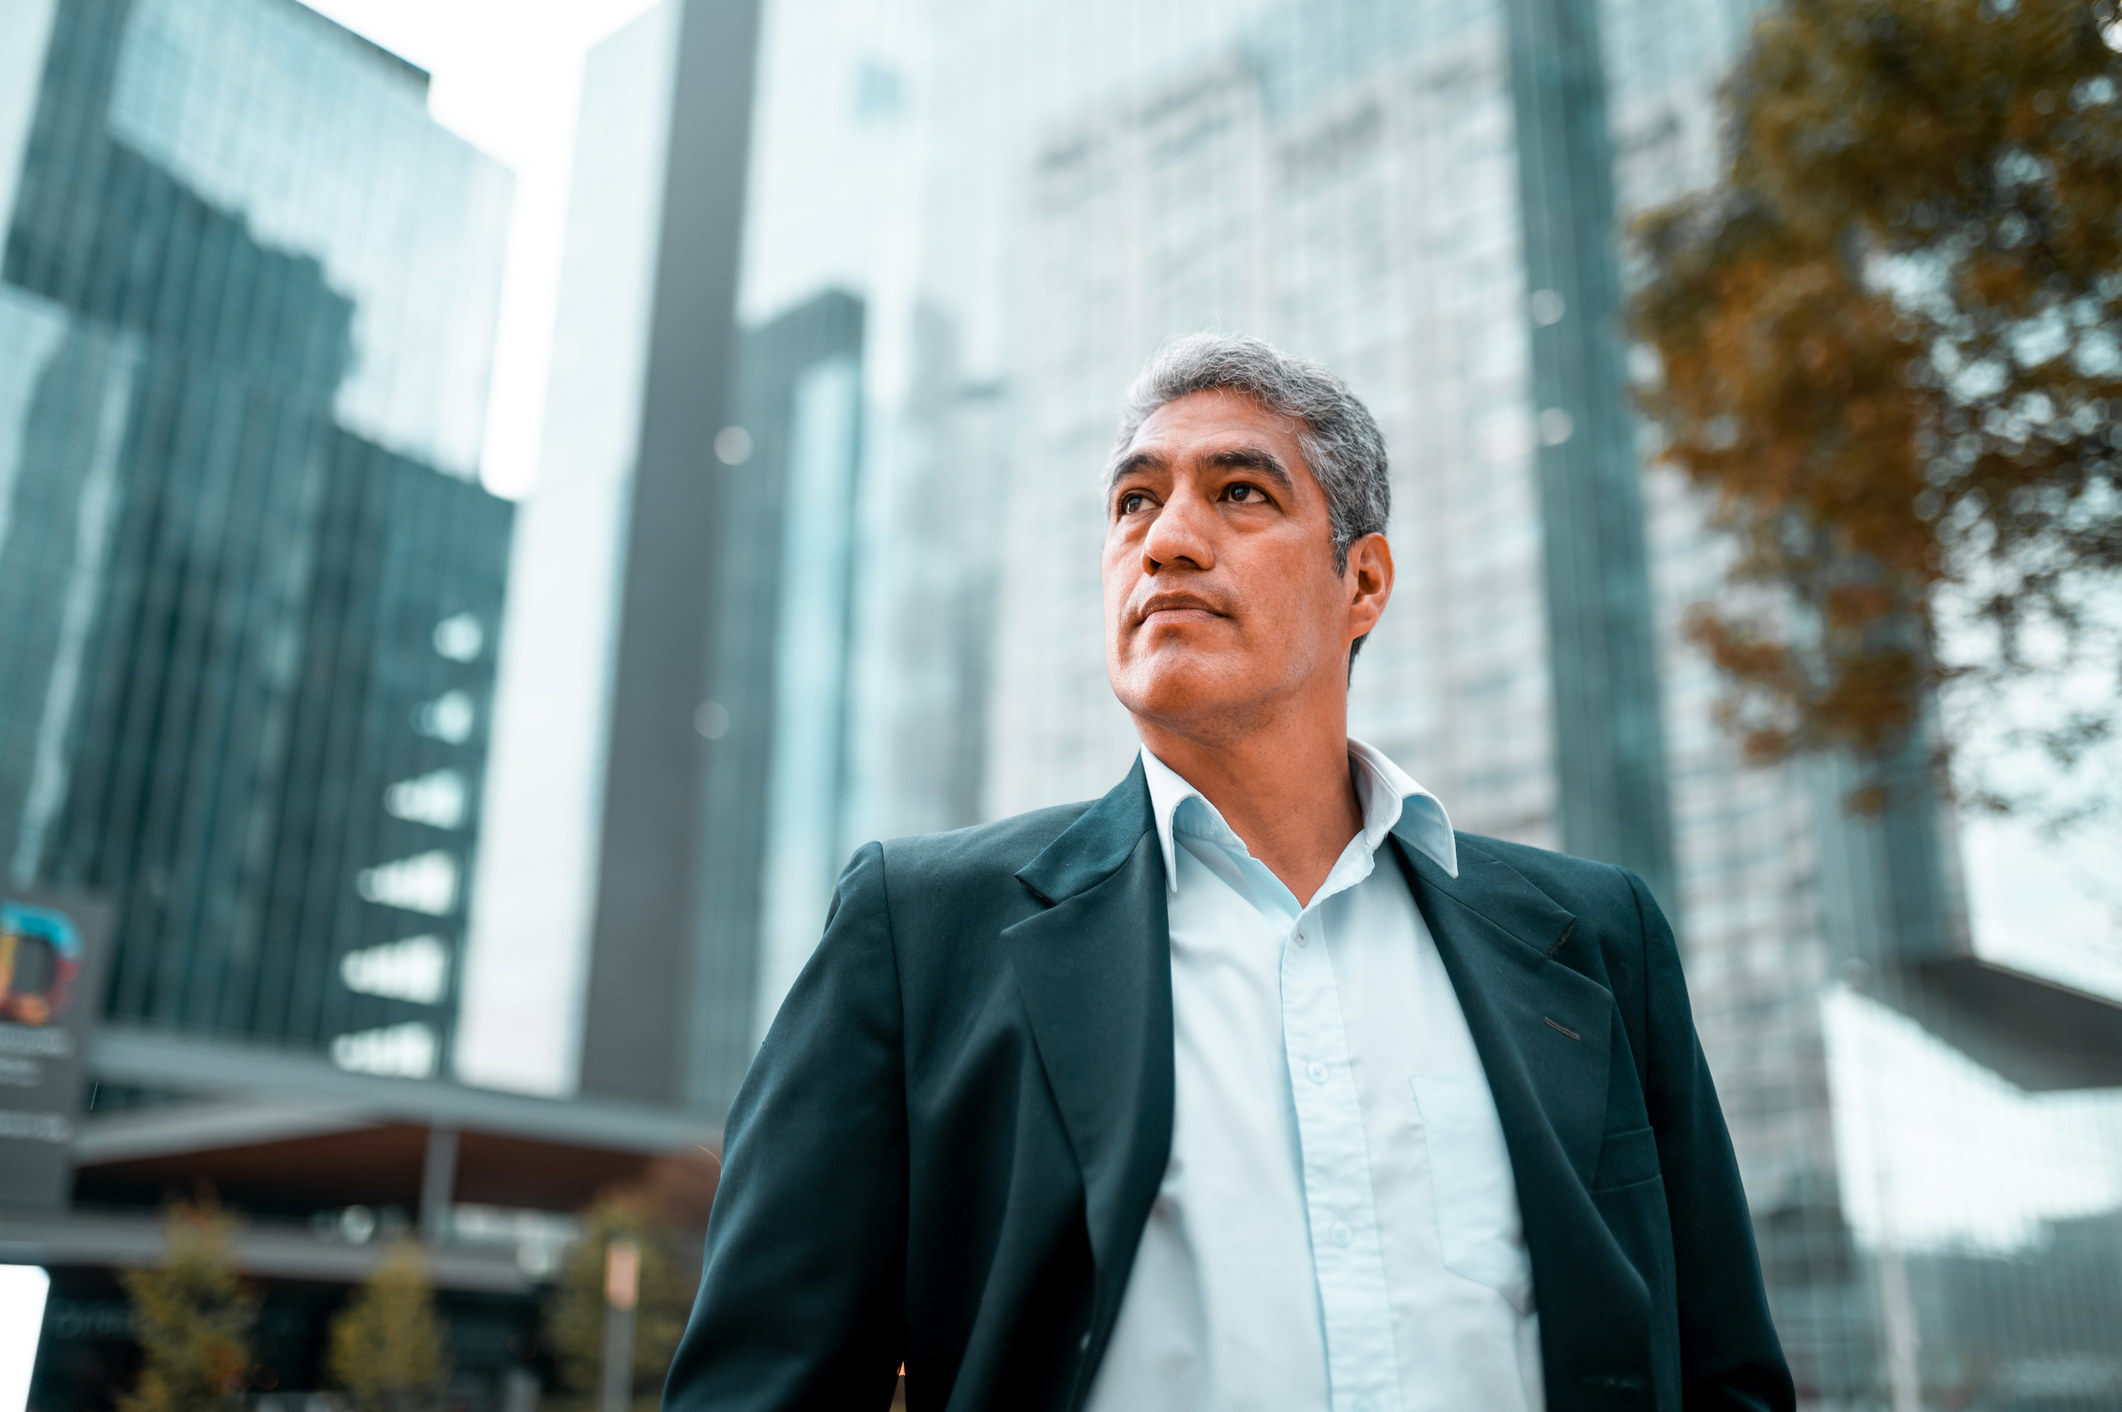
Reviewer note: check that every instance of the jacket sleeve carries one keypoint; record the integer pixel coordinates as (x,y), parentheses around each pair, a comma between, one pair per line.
(801,1289)
(1730,1357)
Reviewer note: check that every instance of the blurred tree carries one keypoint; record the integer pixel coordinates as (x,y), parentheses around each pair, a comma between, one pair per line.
(192,1317)
(386,1344)
(1888,347)
(665,1213)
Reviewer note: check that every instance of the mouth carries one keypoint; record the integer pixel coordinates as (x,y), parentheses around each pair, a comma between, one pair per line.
(1172,609)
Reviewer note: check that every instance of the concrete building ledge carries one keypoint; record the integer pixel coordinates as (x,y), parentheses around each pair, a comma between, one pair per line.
(2039,1034)
(264,1249)
(307,1088)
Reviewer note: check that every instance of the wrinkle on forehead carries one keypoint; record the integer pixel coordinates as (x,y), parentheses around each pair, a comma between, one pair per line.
(1124,458)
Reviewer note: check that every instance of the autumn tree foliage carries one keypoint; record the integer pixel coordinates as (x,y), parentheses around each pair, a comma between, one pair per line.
(1888,348)
(664,1213)
(575,1318)
(387,1343)
(192,1317)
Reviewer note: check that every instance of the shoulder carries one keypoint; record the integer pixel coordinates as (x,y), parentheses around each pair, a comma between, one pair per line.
(944,898)
(1580,885)
(965,862)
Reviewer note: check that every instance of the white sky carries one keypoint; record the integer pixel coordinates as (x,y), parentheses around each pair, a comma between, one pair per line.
(507,76)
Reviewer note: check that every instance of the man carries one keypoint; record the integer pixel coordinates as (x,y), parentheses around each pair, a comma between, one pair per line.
(1250,1085)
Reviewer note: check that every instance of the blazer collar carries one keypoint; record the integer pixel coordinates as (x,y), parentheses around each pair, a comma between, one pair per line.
(1094,971)
(1489,887)
(1094,847)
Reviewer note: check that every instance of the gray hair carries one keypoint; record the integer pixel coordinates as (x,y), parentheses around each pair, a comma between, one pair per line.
(1340,441)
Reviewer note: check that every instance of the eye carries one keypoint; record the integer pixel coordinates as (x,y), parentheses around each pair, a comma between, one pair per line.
(1133,501)
(1244,494)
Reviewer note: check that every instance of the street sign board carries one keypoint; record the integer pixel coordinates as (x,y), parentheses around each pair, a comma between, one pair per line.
(52,950)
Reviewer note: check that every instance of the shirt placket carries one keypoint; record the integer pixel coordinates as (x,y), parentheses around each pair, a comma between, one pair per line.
(1347,1255)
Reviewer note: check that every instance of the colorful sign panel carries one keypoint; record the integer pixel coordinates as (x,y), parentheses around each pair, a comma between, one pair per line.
(51,964)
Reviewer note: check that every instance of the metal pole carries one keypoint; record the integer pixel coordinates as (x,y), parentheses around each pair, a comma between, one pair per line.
(438,1184)
(622,1287)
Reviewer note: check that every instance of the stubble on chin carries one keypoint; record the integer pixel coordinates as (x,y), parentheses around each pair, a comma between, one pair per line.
(1187,691)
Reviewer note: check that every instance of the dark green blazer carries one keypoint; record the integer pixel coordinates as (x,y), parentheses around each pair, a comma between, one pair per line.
(948,1145)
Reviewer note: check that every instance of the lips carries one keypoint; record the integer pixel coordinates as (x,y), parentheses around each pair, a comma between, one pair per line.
(1181,607)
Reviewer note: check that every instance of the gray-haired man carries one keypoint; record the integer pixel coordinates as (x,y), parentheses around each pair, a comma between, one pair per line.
(1252,1084)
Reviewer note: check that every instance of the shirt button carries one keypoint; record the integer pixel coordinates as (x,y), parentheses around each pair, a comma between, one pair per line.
(1342,1234)
(1302,939)
(1317,1072)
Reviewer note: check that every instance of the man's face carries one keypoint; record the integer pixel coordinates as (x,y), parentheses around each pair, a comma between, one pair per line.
(1221,597)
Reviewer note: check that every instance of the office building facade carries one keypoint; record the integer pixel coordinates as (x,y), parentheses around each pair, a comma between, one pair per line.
(250,583)
(634,722)
(822,636)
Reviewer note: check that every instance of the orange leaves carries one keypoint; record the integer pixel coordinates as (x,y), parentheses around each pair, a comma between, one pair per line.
(1999,282)
(1855,605)
(1885,330)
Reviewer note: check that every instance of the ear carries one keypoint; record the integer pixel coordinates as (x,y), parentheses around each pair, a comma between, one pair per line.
(1369,581)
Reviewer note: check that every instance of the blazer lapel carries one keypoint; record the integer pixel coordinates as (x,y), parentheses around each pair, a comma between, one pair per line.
(1543,1031)
(1095,972)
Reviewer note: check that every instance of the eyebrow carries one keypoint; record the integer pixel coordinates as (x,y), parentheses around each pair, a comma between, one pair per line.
(1129,464)
(1254,458)
(1248,458)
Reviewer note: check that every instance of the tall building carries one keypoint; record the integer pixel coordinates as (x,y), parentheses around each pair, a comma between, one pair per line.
(591,910)
(249,585)
(1283,187)
(1917,1123)
(777,728)
(250,594)
(810,639)
(250,598)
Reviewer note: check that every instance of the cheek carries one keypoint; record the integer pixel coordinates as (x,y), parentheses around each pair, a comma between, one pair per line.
(1282,575)
(1301,598)
(1114,575)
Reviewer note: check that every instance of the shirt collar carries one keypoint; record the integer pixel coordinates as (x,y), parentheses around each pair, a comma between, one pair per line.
(1383,789)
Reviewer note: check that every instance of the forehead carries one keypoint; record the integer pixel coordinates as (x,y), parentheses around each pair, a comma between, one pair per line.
(1217,420)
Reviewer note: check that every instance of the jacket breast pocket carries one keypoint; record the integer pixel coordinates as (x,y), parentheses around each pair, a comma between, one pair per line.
(1478,1228)
(1626,1158)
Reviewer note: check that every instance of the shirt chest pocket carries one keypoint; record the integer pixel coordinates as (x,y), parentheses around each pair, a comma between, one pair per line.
(1476,1198)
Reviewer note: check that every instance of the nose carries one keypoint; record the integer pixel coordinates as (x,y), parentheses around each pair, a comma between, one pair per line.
(1180,535)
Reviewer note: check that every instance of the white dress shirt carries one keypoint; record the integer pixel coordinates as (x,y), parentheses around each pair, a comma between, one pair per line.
(1338,1226)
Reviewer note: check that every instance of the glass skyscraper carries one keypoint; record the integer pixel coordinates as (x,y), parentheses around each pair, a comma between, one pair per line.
(249,584)
(660,760)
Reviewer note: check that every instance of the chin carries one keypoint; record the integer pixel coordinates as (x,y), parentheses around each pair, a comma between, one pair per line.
(1174,687)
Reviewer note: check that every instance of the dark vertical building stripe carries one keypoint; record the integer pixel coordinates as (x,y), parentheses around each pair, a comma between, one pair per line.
(637,1020)
(1609,748)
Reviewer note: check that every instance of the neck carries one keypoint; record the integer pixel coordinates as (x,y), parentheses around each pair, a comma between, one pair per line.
(1282,784)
